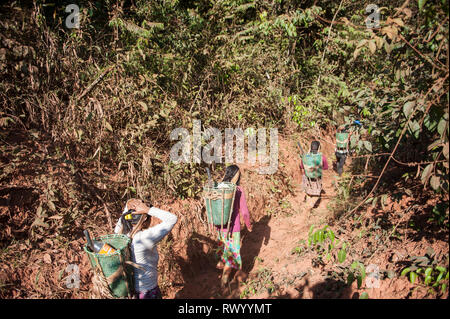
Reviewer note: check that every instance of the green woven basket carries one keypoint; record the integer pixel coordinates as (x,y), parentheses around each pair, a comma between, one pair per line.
(313,165)
(342,140)
(109,264)
(219,203)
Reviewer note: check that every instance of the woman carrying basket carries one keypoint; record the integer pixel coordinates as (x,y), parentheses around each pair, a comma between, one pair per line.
(228,251)
(135,222)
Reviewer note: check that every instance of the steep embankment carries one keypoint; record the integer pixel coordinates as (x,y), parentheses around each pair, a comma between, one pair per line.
(277,260)
(281,218)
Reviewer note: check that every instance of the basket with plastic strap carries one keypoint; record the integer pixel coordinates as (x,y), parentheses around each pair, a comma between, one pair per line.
(219,202)
(113,273)
(342,140)
(312,164)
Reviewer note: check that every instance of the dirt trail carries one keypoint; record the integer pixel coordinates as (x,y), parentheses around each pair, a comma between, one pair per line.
(274,257)
(275,260)
(287,234)
(267,250)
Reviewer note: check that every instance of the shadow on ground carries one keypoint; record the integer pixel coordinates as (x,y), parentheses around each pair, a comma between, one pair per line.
(200,275)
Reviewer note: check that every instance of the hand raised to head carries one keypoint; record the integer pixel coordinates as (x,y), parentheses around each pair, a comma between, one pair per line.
(137,205)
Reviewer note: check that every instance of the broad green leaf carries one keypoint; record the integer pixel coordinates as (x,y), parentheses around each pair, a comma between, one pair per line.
(428,271)
(441,127)
(426,172)
(363,271)
(408,108)
(412,277)
(414,128)
(331,235)
(440,269)
(320,236)
(359,280)
(342,254)
(311,230)
(445,150)
(421,3)
(438,279)
(429,123)
(427,280)
(364,295)
(435,182)
(350,278)
(368,146)
(405,271)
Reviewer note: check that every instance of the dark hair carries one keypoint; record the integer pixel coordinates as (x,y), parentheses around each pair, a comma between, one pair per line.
(315,146)
(230,172)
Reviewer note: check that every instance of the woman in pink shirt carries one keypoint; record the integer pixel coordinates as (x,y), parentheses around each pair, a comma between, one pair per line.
(315,146)
(230,238)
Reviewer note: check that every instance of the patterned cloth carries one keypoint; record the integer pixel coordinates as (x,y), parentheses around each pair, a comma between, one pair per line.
(229,249)
(154,293)
(312,187)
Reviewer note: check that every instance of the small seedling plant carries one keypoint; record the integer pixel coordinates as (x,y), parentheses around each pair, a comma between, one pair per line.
(357,272)
(325,243)
(425,269)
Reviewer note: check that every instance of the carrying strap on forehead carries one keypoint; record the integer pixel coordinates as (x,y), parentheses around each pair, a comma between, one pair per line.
(138,226)
(235,178)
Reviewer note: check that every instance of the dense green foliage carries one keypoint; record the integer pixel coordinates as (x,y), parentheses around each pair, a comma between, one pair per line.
(107,95)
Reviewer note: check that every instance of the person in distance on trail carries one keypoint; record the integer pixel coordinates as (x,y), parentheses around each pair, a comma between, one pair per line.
(228,251)
(343,134)
(341,151)
(144,251)
(315,147)
(312,164)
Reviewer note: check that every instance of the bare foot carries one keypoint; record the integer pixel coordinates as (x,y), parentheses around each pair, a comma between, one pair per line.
(220,265)
(225,276)
(224,280)
(241,276)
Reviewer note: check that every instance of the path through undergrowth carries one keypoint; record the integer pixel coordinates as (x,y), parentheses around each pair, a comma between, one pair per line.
(276,256)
